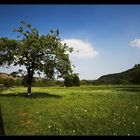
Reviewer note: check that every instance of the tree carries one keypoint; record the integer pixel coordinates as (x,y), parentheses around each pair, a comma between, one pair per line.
(84,82)
(39,53)
(7,82)
(15,74)
(76,80)
(136,75)
(68,82)
(72,80)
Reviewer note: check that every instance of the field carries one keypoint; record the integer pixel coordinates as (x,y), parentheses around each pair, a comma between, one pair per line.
(89,110)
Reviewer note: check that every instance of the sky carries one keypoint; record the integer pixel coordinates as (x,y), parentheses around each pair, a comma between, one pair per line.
(105,38)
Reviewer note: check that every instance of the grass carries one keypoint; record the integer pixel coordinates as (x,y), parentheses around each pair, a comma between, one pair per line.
(89,110)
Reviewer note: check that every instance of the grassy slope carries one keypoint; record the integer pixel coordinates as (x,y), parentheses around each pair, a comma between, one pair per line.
(125,77)
(95,110)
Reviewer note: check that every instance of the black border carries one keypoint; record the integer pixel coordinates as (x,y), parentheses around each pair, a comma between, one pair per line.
(70,2)
(124,2)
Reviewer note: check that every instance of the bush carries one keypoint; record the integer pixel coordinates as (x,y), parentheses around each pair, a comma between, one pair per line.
(8,82)
(41,82)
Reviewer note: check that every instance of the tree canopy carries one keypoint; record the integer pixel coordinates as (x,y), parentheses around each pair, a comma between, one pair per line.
(7,47)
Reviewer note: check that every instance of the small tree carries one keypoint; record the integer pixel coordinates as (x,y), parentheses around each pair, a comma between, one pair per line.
(15,74)
(76,80)
(84,82)
(38,53)
(68,82)
(72,80)
(136,75)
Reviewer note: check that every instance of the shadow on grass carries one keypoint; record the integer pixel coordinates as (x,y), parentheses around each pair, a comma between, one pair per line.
(33,95)
(130,89)
(3,89)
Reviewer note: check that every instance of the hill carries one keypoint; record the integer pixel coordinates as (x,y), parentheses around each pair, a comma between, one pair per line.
(6,80)
(6,76)
(131,76)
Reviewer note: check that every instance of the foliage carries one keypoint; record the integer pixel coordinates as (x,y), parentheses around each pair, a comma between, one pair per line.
(7,49)
(47,83)
(76,80)
(19,82)
(86,82)
(71,80)
(7,82)
(15,74)
(136,75)
(68,82)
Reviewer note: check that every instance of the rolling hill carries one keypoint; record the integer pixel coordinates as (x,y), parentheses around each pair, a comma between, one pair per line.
(131,76)
(6,76)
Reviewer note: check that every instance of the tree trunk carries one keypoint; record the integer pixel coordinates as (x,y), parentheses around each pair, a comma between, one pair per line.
(29,90)
(29,81)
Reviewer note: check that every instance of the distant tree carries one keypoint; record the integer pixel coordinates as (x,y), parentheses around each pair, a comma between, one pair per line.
(38,53)
(15,74)
(72,80)
(136,74)
(83,82)
(68,81)
(76,80)
(8,82)
(137,66)
(18,82)
(24,80)
(1,80)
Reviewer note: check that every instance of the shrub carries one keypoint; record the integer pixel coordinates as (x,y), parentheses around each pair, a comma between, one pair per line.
(8,82)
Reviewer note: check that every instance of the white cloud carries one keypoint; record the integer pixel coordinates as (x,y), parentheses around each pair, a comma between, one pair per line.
(135,43)
(82,49)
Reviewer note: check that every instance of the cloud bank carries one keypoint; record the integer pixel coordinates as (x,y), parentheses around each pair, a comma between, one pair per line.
(135,43)
(82,49)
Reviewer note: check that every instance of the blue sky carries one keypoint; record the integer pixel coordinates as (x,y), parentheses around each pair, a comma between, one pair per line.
(107,36)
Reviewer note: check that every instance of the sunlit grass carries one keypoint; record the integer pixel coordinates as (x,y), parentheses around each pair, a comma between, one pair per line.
(91,110)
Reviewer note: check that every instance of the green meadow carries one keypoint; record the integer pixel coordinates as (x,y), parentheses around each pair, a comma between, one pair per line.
(85,110)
